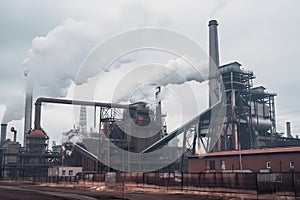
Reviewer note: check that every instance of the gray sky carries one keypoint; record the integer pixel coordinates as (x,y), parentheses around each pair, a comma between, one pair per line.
(263,35)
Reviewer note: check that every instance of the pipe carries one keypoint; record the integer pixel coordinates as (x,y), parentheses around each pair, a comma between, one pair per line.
(28,105)
(28,115)
(288,130)
(15,133)
(234,124)
(213,62)
(213,42)
(39,101)
(158,108)
(3,133)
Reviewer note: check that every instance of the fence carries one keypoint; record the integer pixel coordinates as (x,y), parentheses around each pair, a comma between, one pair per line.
(268,183)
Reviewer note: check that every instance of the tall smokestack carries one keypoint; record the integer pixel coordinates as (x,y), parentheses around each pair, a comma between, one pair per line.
(3,133)
(213,62)
(158,107)
(28,108)
(288,130)
(213,42)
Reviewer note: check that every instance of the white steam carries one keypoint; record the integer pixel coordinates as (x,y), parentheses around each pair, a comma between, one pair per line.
(14,109)
(54,60)
(139,84)
(219,5)
(13,98)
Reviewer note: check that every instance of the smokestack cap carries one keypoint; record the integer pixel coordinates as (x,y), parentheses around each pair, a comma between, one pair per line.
(213,23)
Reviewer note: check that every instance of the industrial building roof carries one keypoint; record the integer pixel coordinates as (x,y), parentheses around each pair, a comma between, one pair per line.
(251,152)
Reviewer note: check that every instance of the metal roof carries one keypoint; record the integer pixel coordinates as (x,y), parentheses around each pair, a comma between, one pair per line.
(277,150)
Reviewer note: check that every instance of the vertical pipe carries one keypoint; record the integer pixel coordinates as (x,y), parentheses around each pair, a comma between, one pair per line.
(15,133)
(213,62)
(95,118)
(234,124)
(288,130)
(213,42)
(158,108)
(15,136)
(28,108)
(37,120)
(3,133)
(183,151)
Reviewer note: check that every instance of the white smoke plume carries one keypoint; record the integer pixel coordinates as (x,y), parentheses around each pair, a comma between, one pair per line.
(13,98)
(140,84)
(219,5)
(54,60)
(72,135)
(14,111)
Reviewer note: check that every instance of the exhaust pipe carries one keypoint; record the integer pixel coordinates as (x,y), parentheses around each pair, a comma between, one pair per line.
(28,115)
(3,133)
(12,129)
(158,107)
(288,130)
(213,42)
(213,62)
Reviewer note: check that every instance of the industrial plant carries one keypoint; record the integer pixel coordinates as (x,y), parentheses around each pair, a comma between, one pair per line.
(236,133)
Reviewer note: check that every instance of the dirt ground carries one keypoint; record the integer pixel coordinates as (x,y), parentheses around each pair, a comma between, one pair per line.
(16,191)
(31,191)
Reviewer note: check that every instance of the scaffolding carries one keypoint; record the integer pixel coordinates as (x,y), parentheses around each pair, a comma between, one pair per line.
(250,111)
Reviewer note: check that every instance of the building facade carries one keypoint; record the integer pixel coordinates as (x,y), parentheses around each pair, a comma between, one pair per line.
(283,159)
(64,171)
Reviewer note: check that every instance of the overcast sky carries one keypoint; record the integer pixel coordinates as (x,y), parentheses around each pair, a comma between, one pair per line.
(263,35)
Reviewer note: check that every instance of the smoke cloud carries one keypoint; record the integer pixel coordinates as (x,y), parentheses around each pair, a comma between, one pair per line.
(54,60)
(14,109)
(177,71)
(219,5)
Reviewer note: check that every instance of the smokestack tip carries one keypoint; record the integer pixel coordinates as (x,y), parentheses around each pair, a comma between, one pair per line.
(213,23)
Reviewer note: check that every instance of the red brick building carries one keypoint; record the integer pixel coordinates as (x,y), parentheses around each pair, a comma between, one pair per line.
(283,159)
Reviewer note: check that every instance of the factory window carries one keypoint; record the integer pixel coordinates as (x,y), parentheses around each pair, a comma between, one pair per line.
(292,164)
(212,165)
(63,172)
(268,164)
(206,165)
(223,167)
(71,172)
